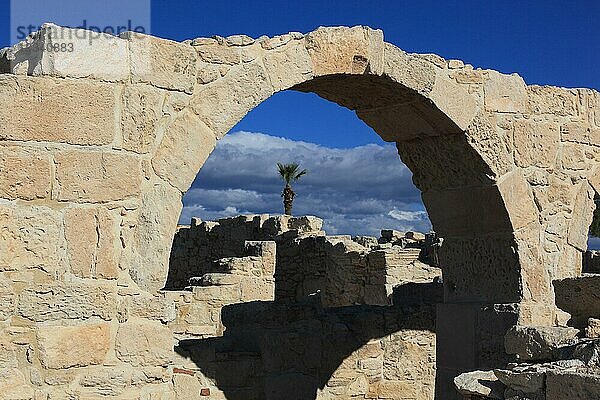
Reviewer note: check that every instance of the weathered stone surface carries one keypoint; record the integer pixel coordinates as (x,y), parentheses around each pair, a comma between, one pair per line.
(577,296)
(523,379)
(572,385)
(147,306)
(186,387)
(346,50)
(148,255)
(186,145)
(535,144)
(143,342)
(409,70)
(221,104)
(505,93)
(7,298)
(142,109)
(453,100)
(31,238)
(162,63)
(57,110)
(577,235)
(78,53)
(479,383)
(109,381)
(518,199)
(97,176)
(25,173)
(593,329)
(93,241)
(535,343)
(72,300)
(288,66)
(493,146)
(553,100)
(73,346)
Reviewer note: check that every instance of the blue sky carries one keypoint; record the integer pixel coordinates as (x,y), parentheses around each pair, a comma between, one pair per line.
(546,42)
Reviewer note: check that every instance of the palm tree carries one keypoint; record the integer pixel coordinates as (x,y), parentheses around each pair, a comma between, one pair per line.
(289,173)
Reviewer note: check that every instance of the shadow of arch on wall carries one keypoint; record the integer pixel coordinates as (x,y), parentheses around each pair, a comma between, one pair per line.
(476,199)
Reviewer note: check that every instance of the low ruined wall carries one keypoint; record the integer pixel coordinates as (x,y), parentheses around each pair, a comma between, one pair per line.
(197,246)
(345,272)
(301,351)
(235,348)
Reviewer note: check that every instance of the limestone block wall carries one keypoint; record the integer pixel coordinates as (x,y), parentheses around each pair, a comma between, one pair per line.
(308,261)
(95,154)
(302,351)
(230,280)
(280,349)
(197,246)
(346,272)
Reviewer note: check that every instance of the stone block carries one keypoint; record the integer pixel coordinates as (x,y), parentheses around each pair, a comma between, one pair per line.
(572,385)
(479,384)
(31,238)
(341,50)
(158,307)
(186,145)
(536,144)
(593,329)
(162,63)
(577,296)
(73,346)
(186,387)
(505,93)
(147,256)
(66,52)
(216,53)
(142,109)
(73,300)
(553,100)
(526,379)
(97,176)
(223,103)
(57,110)
(518,199)
(537,343)
(25,173)
(144,343)
(409,70)
(7,299)
(93,242)
(453,100)
(288,65)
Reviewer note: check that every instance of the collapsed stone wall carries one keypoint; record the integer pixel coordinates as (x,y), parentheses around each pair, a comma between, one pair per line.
(345,270)
(197,246)
(298,346)
(302,351)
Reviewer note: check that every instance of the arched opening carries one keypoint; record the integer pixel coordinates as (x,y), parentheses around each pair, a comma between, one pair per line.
(369,295)
(476,199)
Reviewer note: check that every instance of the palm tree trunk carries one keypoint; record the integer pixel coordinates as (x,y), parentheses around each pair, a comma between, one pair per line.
(288,199)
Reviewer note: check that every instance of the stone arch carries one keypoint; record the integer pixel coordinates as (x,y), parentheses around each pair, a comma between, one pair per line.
(506,169)
(443,133)
(445,124)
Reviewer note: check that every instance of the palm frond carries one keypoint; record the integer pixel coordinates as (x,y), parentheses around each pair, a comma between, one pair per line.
(289,172)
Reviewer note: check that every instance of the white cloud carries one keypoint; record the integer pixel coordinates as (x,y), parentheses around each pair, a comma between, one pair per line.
(358,190)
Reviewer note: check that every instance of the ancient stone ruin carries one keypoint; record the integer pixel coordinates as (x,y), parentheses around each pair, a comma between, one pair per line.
(103,296)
